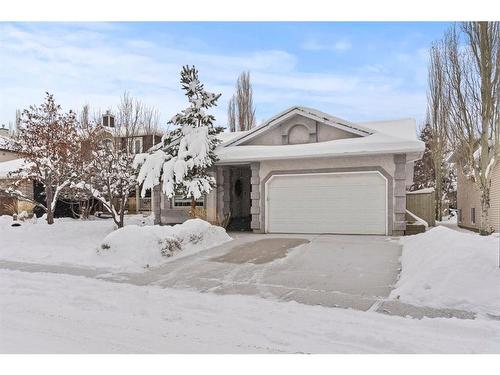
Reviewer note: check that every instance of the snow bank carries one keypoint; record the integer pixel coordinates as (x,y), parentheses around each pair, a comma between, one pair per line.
(80,243)
(445,268)
(133,248)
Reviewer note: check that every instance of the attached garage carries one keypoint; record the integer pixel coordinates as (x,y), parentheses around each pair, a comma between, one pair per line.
(340,203)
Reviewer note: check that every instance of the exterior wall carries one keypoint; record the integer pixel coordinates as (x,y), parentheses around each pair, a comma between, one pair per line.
(255,196)
(329,133)
(468,196)
(386,164)
(6,155)
(169,214)
(399,194)
(284,133)
(218,202)
(494,212)
(26,187)
(410,169)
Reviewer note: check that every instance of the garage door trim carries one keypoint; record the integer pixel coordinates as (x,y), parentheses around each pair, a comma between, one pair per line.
(266,209)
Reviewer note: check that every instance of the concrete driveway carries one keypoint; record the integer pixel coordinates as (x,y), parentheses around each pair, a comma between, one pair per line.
(329,270)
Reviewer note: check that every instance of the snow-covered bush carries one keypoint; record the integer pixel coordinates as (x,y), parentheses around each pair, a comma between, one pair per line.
(138,247)
(169,246)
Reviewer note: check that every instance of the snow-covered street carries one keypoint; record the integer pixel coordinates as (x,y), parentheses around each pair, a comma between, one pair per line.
(43,313)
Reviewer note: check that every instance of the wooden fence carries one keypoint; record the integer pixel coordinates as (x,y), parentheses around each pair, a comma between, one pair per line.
(423,204)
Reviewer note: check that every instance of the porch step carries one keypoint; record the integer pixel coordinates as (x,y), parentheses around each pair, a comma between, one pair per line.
(412,228)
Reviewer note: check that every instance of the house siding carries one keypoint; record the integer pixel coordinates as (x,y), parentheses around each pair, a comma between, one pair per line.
(469,196)
(280,135)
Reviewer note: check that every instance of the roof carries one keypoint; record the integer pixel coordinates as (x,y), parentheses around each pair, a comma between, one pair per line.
(380,137)
(5,143)
(10,166)
(314,114)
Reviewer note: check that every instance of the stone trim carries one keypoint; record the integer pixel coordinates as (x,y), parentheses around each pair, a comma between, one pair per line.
(400,192)
(390,208)
(255,196)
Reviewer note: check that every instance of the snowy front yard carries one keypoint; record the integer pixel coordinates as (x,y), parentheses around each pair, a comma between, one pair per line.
(93,243)
(55,312)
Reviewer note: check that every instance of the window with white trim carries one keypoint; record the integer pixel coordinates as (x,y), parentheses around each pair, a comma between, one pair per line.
(473,215)
(135,145)
(181,201)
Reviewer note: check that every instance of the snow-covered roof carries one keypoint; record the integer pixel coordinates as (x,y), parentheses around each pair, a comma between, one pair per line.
(226,137)
(380,137)
(421,191)
(6,143)
(10,166)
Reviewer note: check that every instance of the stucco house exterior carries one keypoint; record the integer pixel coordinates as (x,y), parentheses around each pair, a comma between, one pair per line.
(469,204)
(305,171)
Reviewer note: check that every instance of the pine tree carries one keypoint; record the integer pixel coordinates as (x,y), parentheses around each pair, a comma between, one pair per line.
(424,175)
(187,152)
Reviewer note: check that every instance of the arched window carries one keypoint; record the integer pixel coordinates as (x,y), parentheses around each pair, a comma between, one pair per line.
(298,134)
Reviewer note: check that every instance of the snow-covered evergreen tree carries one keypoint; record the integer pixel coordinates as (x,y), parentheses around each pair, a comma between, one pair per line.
(424,172)
(183,159)
(423,175)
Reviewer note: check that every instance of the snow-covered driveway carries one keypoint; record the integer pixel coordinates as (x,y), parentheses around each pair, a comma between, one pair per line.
(345,271)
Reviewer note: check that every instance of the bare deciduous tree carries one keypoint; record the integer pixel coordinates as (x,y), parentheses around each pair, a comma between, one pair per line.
(472,73)
(241,106)
(231,114)
(438,116)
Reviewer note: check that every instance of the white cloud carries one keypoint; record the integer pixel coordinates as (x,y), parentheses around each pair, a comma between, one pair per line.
(313,44)
(82,64)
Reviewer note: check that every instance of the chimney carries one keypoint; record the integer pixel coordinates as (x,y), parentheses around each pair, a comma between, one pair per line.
(108,119)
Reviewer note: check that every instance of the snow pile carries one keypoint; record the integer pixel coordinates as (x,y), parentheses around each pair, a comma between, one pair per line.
(445,268)
(134,248)
(71,242)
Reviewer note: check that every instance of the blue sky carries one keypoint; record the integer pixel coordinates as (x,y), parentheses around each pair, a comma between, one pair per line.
(357,71)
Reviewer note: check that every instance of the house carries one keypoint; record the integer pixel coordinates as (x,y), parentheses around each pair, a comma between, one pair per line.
(469,203)
(305,171)
(135,140)
(6,151)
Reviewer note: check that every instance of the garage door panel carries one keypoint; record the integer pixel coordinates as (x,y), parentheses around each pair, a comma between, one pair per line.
(327,203)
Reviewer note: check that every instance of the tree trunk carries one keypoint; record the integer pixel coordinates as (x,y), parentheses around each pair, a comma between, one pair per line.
(121,213)
(439,195)
(48,197)
(484,228)
(193,207)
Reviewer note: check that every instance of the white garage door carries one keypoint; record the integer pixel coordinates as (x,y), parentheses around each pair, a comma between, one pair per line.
(347,203)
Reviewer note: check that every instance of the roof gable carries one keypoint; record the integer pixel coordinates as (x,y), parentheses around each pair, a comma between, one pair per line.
(312,114)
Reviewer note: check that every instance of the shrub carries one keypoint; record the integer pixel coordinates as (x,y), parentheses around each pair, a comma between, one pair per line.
(169,246)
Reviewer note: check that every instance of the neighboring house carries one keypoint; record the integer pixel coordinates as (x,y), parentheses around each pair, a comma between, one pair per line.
(6,150)
(135,141)
(469,204)
(305,171)
(8,204)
